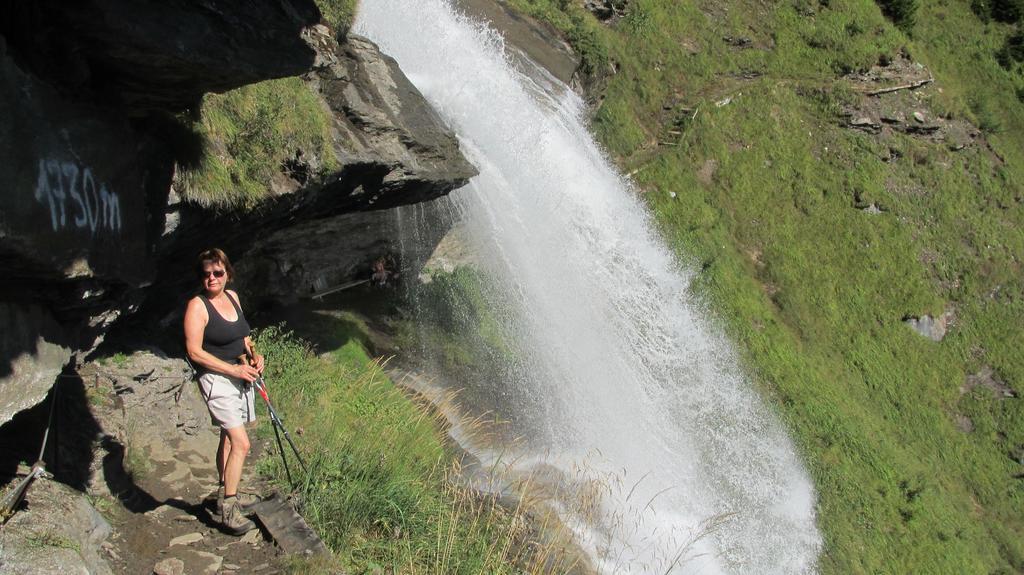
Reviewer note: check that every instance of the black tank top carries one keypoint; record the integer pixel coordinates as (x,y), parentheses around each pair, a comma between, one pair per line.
(224,339)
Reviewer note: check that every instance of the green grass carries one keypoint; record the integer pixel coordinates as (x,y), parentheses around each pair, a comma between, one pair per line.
(48,539)
(380,491)
(118,360)
(338,13)
(461,332)
(105,505)
(136,462)
(814,290)
(457,316)
(249,133)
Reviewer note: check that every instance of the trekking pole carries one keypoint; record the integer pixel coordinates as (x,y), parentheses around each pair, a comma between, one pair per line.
(261,387)
(275,419)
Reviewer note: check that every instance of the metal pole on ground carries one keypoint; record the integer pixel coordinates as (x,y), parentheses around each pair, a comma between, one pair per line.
(278,424)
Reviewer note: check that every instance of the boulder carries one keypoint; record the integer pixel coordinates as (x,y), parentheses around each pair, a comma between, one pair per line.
(57,532)
(169,566)
(602,9)
(988,378)
(33,352)
(866,124)
(186,539)
(382,120)
(933,328)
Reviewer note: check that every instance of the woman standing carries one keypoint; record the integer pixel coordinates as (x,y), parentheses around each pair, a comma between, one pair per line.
(216,336)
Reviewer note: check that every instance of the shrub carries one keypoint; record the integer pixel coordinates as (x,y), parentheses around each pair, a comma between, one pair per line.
(901,12)
(1009,11)
(982,9)
(1012,51)
(987,119)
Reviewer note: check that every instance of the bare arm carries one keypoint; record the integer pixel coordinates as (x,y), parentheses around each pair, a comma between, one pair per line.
(196,318)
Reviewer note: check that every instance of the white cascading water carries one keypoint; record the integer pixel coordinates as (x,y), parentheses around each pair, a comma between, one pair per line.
(622,371)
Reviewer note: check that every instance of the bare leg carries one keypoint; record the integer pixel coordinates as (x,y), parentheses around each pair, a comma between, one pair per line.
(223,448)
(237,449)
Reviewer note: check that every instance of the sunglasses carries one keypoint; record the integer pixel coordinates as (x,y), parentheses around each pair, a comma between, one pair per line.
(214,273)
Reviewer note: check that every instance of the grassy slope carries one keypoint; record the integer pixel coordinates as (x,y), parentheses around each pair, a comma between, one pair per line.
(251,130)
(378,491)
(813,289)
(456,316)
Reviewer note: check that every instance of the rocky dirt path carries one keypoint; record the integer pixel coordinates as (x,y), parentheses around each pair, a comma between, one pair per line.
(167,519)
(149,482)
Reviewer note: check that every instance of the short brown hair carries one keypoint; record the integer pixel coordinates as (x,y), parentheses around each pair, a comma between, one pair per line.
(214,255)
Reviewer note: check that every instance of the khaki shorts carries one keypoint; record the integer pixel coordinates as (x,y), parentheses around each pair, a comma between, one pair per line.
(231,401)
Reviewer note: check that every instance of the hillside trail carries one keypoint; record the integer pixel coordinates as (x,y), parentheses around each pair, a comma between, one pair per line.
(155,468)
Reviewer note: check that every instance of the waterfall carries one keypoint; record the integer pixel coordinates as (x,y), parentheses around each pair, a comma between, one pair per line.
(619,373)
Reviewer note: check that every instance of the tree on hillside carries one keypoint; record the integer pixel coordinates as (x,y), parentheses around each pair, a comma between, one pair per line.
(1013,50)
(901,12)
(1008,11)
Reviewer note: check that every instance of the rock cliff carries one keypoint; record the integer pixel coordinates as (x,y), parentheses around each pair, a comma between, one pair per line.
(91,231)
(393,150)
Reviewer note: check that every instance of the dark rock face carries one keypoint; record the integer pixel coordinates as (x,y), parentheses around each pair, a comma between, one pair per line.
(160,53)
(84,164)
(74,226)
(297,262)
(75,201)
(293,263)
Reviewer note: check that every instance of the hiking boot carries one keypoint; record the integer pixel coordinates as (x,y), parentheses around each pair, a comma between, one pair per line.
(247,501)
(234,520)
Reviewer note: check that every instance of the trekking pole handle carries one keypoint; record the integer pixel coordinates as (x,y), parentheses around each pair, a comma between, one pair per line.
(249,357)
(259,382)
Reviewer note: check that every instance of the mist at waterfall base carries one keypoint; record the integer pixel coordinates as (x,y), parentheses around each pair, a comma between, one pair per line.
(616,370)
